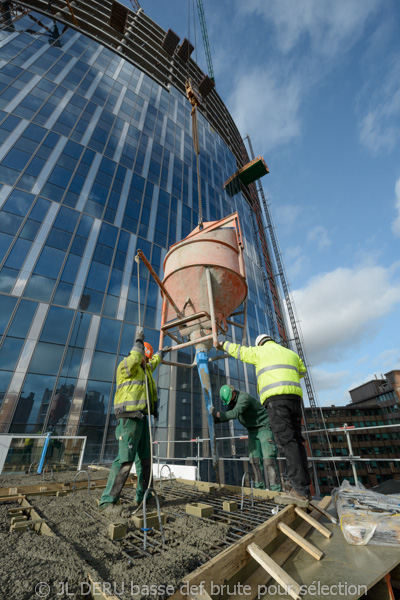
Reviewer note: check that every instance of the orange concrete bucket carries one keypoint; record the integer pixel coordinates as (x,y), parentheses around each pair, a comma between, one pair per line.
(217,249)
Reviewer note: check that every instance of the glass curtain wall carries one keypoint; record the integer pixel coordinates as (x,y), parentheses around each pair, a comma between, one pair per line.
(96,162)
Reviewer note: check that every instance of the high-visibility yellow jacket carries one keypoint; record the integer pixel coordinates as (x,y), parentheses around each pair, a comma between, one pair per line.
(278,369)
(130,394)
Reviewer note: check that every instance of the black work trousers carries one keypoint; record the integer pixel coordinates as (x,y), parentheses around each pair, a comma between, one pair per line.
(285,421)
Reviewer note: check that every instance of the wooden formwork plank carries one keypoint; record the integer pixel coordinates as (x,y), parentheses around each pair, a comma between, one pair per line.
(274,570)
(35,519)
(300,541)
(304,515)
(259,578)
(323,512)
(46,488)
(202,595)
(226,564)
(11,498)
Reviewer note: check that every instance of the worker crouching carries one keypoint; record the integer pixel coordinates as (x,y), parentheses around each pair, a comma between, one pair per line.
(132,432)
(262,449)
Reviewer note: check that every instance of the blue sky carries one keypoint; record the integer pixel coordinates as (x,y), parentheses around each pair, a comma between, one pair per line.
(316,85)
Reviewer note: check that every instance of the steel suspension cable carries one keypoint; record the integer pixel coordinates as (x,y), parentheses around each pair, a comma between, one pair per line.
(149,483)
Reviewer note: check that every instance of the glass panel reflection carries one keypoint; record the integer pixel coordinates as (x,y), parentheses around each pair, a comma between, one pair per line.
(31,409)
(93,417)
(24,454)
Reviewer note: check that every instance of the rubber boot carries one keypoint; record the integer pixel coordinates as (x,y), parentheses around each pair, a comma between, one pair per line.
(272,478)
(120,479)
(256,466)
(142,485)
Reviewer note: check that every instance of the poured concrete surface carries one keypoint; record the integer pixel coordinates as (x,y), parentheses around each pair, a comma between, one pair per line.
(82,546)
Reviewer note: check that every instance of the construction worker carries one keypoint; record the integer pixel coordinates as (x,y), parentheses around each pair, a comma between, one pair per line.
(132,432)
(278,372)
(262,449)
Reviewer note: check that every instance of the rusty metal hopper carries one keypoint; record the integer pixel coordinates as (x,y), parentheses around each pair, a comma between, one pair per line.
(205,276)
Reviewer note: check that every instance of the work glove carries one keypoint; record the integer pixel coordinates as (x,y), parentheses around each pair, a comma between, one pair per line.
(220,345)
(215,414)
(163,351)
(139,343)
(155,413)
(140,336)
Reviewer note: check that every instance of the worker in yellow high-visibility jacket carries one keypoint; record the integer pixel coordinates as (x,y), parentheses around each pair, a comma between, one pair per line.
(278,372)
(132,432)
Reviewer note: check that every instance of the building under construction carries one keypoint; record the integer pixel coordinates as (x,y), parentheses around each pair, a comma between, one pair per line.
(115,146)
(98,161)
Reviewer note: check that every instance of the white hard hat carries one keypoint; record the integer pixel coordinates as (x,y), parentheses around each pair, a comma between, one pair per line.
(261,339)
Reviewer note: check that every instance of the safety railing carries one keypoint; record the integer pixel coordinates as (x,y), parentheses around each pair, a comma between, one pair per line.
(347,430)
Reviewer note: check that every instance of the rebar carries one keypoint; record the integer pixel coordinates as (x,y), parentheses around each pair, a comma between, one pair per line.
(144,528)
(88,476)
(51,472)
(170,474)
(251,488)
(31,465)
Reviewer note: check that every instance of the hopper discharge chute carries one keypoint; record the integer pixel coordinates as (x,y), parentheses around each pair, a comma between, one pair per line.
(204,283)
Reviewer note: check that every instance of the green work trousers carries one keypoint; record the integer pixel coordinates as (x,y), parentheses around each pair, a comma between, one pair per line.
(133,446)
(262,457)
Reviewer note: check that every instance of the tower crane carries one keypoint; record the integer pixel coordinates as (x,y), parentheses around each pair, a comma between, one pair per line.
(200,9)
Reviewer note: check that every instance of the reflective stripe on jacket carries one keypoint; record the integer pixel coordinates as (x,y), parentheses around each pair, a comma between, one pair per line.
(130,393)
(278,369)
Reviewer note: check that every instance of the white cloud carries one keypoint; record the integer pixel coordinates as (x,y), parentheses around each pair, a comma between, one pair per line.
(287,216)
(319,235)
(330,27)
(388,360)
(363,359)
(295,261)
(340,308)
(396,222)
(325,380)
(379,127)
(266,104)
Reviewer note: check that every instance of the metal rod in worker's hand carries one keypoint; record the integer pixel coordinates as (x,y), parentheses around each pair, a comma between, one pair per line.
(211,303)
(159,283)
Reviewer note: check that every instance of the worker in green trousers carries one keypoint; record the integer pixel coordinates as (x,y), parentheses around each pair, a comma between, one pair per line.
(262,448)
(132,432)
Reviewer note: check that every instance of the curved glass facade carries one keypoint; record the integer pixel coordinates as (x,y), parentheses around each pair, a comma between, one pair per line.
(97,161)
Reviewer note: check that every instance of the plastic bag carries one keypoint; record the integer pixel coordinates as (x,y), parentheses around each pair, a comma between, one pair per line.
(367,517)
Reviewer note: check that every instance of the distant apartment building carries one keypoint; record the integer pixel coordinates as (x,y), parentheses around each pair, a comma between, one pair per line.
(373,403)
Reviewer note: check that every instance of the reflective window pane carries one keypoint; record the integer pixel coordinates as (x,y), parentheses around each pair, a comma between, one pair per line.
(17,256)
(5,242)
(57,326)
(7,305)
(19,202)
(9,353)
(59,409)
(23,319)
(34,400)
(63,293)
(72,362)
(7,279)
(5,377)
(103,366)
(46,358)
(39,288)
(108,337)
(80,330)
